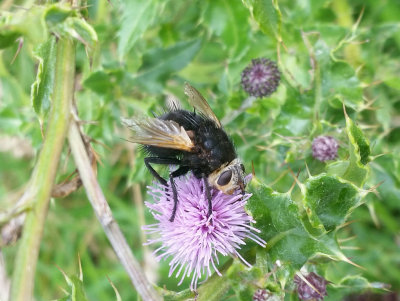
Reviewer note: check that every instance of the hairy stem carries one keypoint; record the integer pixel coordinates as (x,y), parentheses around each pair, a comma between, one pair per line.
(44,174)
(104,215)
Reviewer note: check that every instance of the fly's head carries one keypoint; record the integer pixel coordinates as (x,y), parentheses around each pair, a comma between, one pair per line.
(229,178)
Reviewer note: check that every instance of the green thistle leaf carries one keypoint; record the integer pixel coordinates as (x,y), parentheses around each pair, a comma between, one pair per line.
(329,201)
(287,235)
(42,88)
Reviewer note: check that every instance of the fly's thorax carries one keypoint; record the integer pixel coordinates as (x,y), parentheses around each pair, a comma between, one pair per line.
(229,177)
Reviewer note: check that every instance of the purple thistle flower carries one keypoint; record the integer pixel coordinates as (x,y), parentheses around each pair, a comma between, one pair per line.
(324,148)
(261,295)
(306,292)
(261,77)
(193,240)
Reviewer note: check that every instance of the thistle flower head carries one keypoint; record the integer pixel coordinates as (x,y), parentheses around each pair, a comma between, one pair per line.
(324,148)
(307,292)
(194,240)
(261,77)
(261,295)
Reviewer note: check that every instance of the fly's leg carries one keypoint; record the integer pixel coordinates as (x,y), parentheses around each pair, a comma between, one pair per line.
(157,160)
(179,172)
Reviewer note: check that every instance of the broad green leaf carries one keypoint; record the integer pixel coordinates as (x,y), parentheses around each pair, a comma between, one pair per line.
(331,33)
(63,20)
(33,25)
(393,82)
(12,98)
(356,174)
(353,284)
(206,73)
(56,14)
(137,16)
(358,141)
(267,15)
(229,22)
(160,64)
(295,115)
(357,170)
(79,29)
(28,24)
(281,225)
(338,168)
(387,170)
(340,84)
(8,37)
(329,201)
(100,82)
(105,82)
(42,88)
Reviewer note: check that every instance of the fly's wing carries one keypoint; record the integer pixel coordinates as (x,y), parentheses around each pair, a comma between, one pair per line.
(173,103)
(200,104)
(157,132)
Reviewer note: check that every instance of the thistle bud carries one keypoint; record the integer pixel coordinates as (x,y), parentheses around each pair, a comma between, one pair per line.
(261,295)
(324,148)
(306,292)
(261,78)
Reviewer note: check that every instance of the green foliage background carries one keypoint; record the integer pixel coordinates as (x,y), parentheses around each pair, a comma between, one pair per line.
(132,53)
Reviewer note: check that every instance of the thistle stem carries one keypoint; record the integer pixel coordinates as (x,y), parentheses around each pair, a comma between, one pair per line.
(247,103)
(215,288)
(316,77)
(44,173)
(104,215)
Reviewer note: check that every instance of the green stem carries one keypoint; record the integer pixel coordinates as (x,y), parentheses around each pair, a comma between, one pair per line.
(44,174)
(317,77)
(216,287)
(318,92)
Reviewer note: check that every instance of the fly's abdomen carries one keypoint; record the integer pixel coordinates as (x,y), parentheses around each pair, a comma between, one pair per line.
(213,146)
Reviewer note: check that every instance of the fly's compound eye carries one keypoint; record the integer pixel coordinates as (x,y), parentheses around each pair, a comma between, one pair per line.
(224,178)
